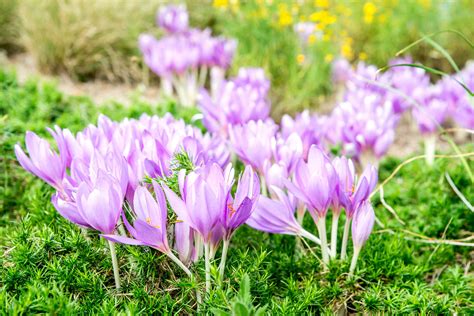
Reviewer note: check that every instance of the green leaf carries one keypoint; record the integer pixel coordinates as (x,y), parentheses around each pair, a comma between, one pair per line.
(239,309)
(244,292)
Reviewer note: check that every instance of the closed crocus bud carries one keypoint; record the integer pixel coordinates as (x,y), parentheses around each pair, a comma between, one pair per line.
(43,161)
(173,18)
(204,194)
(361,228)
(314,184)
(68,210)
(100,204)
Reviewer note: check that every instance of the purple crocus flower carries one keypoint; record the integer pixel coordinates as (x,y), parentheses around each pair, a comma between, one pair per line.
(100,205)
(43,162)
(203,197)
(432,111)
(314,182)
(237,101)
(361,228)
(241,206)
(173,18)
(252,142)
(352,197)
(277,216)
(309,127)
(150,220)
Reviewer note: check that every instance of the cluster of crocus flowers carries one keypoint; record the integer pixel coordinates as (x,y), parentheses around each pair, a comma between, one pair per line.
(99,170)
(237,101)
(184,56)
(372,103)
(320,185)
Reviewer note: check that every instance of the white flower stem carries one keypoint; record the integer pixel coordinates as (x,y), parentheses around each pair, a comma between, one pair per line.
(335,220)
(345,237)
(113,254)
(207,267)
(355,256)
(321,224)
(306,234)
(430,149)
(225,248)
(263,185)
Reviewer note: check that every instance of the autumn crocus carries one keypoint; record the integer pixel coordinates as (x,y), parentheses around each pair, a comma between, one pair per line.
(352,197)
(173,18)
(203,200)
(100,205)
(43,162)
(345,172)
(238,209)
(277,216)
(314,184)
(149,226)
(361,228)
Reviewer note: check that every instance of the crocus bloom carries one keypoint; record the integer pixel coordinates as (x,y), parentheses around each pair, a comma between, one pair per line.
(150,218)
(277,216)
(314,182)
(361,228)
(238,101)
(203,197)
(173,18)
(100,205)
(252,142)
(240,207)
(43,161)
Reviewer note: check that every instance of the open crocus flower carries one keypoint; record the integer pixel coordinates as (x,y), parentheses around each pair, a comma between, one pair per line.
(173,18)
(361,228)
(314,184)
(43,161)
(277,216)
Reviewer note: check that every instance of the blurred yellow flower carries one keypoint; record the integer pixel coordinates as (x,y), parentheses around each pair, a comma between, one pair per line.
(425,3)
(328,58)
(312,39)
(369,12)
(323,17)
(300,59)
(221,4)
(346,48)
(363,56)
(324,4)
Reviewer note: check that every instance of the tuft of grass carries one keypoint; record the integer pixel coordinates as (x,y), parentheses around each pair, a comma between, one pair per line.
(87,39)
(44,256)
(9,26)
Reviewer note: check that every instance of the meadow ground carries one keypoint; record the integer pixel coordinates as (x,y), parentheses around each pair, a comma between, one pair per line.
(48,265)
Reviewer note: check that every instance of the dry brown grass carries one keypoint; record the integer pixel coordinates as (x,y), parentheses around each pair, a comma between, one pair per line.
(9,26)
(87,38)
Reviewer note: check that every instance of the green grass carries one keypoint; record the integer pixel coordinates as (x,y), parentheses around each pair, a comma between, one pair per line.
(48,265)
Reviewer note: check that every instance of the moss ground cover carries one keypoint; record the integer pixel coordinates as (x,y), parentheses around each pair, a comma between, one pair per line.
(50,266)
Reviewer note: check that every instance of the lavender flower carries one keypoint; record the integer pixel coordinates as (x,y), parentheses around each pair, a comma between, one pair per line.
(361,229)
(314,184)
(173,18)
(43,162)
(277,216)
